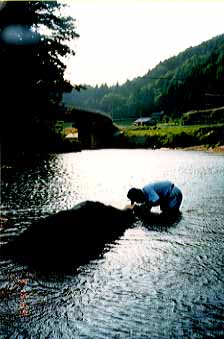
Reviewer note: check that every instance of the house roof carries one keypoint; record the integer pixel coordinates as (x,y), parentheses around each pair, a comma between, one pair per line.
(145,119)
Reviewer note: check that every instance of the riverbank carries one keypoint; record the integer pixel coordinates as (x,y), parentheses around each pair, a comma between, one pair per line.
(197,137)
(205,148)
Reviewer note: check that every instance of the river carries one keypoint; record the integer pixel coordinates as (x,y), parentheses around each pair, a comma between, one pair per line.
(153,282)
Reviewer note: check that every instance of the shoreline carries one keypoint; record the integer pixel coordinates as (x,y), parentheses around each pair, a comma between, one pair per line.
(204,148)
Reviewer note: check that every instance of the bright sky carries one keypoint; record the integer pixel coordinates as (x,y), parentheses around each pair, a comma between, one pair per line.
(121,40)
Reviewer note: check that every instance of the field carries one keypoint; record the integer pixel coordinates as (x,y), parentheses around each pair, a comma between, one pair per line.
(166,135)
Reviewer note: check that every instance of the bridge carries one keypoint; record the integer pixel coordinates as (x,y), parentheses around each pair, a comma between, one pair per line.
(95,128)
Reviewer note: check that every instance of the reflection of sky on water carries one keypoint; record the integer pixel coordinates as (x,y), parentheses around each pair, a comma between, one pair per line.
(106,176)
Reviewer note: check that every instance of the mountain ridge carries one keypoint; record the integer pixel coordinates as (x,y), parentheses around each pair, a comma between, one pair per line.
(175,85)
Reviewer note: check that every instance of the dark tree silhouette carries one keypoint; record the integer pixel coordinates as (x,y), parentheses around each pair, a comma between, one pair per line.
(34,38)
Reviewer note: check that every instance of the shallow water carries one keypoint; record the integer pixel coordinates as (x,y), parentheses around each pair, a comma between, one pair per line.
(156,281)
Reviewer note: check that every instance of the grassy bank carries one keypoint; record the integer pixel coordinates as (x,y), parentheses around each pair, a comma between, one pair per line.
(173,136)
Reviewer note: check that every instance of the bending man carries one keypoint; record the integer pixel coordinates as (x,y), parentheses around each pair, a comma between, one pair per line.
(160,193)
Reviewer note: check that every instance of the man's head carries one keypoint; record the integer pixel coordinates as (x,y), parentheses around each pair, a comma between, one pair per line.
(136,195)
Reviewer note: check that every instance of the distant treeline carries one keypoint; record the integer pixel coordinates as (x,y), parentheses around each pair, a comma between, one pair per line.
(192,80)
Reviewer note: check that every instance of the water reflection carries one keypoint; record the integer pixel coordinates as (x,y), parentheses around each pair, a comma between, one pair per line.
(152,282)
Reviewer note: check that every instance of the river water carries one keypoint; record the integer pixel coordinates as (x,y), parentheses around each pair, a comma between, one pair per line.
(153,282)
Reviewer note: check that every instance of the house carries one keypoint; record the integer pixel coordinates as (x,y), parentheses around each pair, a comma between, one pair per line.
(146,121)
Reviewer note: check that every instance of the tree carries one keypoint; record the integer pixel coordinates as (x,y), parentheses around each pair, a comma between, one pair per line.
(34,39)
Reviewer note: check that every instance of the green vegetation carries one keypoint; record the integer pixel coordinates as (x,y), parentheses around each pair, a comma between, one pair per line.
(172,136)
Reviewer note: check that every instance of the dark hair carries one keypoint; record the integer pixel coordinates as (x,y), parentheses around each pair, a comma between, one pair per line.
(136,195)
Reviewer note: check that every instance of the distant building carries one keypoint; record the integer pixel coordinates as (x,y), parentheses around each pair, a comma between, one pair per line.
(146,121)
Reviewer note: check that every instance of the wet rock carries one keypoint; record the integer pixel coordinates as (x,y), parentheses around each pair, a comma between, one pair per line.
(70,237)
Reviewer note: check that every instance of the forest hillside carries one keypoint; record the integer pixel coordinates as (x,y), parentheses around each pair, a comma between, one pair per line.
(192,80)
